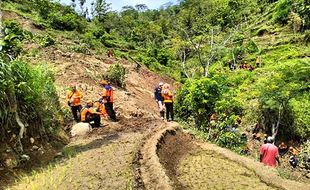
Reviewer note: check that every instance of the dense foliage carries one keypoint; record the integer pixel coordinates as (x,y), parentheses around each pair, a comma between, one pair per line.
(29,105)
(197,42)
(116,74)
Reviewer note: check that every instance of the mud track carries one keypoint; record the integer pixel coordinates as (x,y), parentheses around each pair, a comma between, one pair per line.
(102,160)
(147,153)
(172,159)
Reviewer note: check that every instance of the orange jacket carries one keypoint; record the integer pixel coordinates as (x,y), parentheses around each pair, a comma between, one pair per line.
(107,94)
(101,108)
(86,112)
(167,96)
(74,97)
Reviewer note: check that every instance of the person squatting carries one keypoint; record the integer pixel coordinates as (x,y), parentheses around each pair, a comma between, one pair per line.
(93,110)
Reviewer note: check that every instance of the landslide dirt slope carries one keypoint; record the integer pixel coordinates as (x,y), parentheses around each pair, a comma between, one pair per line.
(123,155)
(104,159)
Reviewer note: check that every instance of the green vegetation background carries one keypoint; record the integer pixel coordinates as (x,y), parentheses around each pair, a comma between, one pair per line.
(193,42)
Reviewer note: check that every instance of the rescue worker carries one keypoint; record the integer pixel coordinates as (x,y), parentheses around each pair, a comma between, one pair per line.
(168,101)
(293,151)
(89,114)
(293,160)
(269,153)
(159,99)
(110,53)
(213,119)
(74,101)
(100,108)
(282,149)
(107,99)
(258,61)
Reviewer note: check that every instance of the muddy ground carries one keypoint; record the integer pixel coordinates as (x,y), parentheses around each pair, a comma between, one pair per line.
(190,167)
(109,157)
(103,160)
(171,151)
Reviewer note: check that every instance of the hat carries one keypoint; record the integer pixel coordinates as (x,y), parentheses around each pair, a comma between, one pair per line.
(291,148)
(103,82)
(71,85)
(161,83)
(89,102)
(270,139)
(166,86)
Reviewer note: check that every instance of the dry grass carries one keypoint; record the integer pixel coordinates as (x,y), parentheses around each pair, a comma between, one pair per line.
(208,170)
(98,163)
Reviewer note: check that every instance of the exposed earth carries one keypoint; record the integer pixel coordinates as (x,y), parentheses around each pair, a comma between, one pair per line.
(134,153)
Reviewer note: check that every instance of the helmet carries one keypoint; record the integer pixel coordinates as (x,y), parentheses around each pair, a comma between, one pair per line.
(161,83)
(89,102)
(166,86)
(103,82)
(72,85)
(291,148)
(270,139)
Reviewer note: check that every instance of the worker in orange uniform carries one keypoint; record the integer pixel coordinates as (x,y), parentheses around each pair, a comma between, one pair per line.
(258,61)
(74,101)
(89,114)
(100,108)
(107,99)
(168,101)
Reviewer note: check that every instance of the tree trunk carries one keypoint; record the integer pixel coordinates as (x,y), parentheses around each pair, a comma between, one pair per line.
(275,128)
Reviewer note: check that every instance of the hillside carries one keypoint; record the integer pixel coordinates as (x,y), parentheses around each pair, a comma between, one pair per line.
(207,50)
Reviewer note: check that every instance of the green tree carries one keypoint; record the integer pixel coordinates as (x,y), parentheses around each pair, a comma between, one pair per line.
(100,9)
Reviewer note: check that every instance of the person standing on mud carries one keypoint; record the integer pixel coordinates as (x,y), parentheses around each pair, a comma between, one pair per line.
(107,99)
(74,101)
(168,101)
(159,99)
(269,153)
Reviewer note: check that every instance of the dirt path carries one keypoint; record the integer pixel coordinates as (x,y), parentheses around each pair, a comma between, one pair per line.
(192,164)
(103,160)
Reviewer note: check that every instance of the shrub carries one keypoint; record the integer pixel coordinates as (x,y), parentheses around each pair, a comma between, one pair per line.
(252,47)
(282,11)
(307,37)
(26,8)
(116,74)
(160,55)
(284,89)
(43,7)
(67,21)
(30,92)
(46,40)
(80,48)
(230,140)
(295,22)
(197,99)
(13,36)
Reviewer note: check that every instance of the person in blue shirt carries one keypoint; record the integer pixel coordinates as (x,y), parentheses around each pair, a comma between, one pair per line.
(159,99)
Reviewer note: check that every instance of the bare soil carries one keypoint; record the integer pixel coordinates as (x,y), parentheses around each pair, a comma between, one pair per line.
(114,157)
(103,160)
(171,151)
